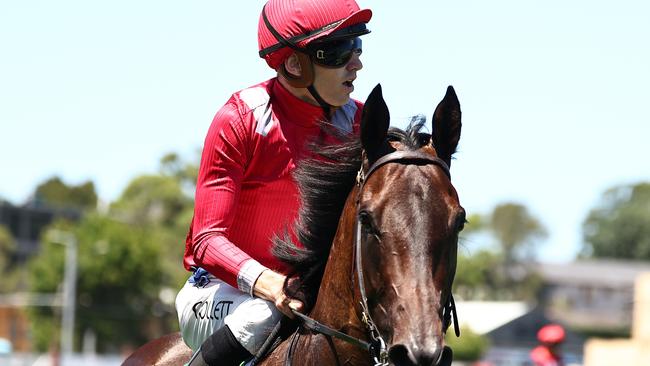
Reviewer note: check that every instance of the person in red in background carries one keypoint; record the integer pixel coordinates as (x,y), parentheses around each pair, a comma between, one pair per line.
(245,191)
(548,352)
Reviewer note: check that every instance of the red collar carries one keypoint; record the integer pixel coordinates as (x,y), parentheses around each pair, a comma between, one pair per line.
(292,108)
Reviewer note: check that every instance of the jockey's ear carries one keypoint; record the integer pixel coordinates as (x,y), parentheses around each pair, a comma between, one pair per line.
(292,66)
(374,124)
(446,126)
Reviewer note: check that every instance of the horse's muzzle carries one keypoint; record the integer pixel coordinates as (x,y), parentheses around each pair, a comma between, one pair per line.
(401,355)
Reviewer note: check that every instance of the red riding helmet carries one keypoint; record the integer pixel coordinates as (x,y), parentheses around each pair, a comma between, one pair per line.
(551,333)
(287,24)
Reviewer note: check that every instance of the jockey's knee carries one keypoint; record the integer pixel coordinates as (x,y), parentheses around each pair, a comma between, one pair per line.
(253,322)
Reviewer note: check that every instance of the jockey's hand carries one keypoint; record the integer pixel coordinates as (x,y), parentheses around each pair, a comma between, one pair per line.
(269,286)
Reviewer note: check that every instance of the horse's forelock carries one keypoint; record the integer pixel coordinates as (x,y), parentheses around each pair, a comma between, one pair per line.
(412,138)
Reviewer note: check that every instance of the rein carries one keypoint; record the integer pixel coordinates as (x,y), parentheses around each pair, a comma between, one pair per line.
(377,345)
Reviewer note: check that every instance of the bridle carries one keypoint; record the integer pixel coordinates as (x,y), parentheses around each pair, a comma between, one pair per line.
(377,346)
(379,350)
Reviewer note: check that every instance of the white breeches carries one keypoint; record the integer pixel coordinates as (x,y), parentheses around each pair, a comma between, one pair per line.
(203,310)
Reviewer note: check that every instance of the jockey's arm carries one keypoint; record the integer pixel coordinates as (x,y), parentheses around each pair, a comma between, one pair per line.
(217,194)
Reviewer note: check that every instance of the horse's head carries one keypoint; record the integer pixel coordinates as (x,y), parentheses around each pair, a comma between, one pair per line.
(409,217)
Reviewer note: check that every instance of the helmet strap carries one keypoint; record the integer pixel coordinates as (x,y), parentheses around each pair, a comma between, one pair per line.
(327,108)
(306,80)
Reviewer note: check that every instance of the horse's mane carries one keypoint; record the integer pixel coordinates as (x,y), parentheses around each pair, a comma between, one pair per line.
(324,182)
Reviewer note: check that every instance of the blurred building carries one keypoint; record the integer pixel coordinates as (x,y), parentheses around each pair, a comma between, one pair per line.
(586,297)
(511,328)
(27,222)
(634,351)
(594,296)
(14,328)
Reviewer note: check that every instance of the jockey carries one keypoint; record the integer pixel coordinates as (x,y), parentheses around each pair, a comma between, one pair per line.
(548,353)
(245,193)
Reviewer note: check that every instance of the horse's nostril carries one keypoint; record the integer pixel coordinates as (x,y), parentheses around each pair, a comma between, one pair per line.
(401,355)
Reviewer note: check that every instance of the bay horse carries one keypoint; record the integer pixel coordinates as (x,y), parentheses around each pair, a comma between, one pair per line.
(378,230)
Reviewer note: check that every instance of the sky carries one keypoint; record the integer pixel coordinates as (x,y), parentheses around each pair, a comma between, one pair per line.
(554,93)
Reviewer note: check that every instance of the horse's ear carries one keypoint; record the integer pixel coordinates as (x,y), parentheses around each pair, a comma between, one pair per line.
(374,123)
(446,126)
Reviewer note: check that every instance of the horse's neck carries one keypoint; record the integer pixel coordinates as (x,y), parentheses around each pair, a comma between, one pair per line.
(336,305)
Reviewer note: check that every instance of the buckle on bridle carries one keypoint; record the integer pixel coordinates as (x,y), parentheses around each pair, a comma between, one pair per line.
(365,319)
(378,351)
(360,177)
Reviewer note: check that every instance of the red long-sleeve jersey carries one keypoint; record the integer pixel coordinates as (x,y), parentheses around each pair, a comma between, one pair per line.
(245,192)
(543,356)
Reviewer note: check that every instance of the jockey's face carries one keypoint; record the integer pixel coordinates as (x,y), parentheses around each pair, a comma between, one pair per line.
(336,84)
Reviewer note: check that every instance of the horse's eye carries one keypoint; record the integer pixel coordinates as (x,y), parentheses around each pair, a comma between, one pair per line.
(461,220)
(462,225)
(364,218)
(366,223)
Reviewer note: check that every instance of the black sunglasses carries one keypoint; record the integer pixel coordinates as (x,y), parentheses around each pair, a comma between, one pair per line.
(334,54)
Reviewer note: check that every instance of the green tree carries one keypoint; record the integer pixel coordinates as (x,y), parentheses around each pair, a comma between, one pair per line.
(484,276)
(151,200)
(619,226)
(162,202)
(516,230)
(499,273)
(469,347)
(160,199)
(118,285)
(475,223)
(172,165)
(8,272)
(130,262)
(55,193)
(476,277)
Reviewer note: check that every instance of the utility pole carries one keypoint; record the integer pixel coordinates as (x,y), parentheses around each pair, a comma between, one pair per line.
(69,289)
